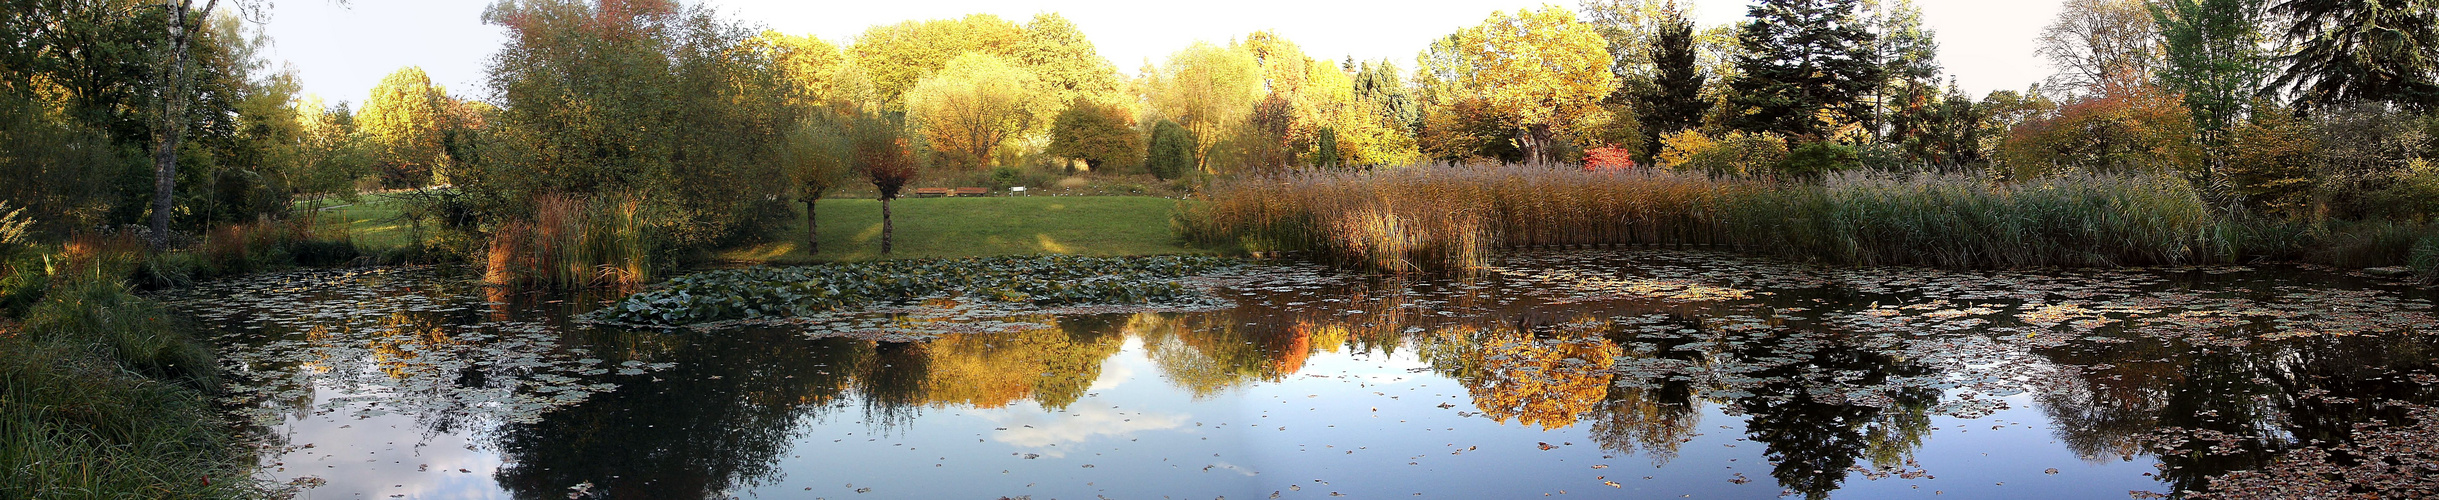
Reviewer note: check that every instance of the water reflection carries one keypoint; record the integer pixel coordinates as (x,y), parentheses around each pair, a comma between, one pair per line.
(1832,382)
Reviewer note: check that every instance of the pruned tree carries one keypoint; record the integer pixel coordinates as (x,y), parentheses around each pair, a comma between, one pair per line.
(819,156)
(881,154)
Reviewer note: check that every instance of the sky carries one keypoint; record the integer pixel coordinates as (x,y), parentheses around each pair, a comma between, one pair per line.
(340,51)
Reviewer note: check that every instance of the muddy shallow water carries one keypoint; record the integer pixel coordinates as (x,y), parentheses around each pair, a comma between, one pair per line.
(1601,373)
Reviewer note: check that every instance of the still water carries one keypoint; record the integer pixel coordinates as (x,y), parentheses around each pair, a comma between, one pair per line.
(1609,374)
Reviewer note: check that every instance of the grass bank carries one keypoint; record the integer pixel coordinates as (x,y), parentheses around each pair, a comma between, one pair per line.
(979,227)
(105,395)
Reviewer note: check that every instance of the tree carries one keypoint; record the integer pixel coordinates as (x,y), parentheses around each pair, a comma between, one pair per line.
(2135,130)
(1545,71)
(1207,89)
(170,124)
(1806,66)
(975,105)
(1100,135)
(2212,54)
(648,99)
(1909,57)
(810,67)
(881,155)
(1171,153)
(2345,51)
(2099,46)
(404,120)
(897,56)
(1675,101)
(819,155)
(1064,59)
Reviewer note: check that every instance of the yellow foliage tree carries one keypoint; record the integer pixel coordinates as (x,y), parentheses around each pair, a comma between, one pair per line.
(1544,70)
(897,56)
(1208,89)
(976,105)
(404,120)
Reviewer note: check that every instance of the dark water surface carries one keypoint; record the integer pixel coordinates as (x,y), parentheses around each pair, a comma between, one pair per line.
(1628,374)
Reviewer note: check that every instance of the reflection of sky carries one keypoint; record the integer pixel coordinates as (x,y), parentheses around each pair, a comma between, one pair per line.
(394,458)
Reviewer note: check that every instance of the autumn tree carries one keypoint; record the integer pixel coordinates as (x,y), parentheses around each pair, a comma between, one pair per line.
(896,57)
(404,120)
(1543,70)
(1100,135)
(2099,46)
(2142,130)
(881,155)
(975,105)
(1207,89)
(809,67)
(1807,64)
(2345,51)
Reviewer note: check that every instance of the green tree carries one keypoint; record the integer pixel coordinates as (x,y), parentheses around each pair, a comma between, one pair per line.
(648,99)
(1171,153)
(1806,66)
(1065,60)
(975,105)
(404,120)
(819,156)
(1101,135)
(1674,102)
(2345,51)
(1209,90)
(2212,55)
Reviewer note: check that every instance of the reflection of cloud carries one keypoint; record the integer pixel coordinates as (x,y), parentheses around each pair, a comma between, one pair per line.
(1113,374)
(1070,429)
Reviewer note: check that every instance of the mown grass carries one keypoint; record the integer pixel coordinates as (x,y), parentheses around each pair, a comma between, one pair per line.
(978,227)
(375,221)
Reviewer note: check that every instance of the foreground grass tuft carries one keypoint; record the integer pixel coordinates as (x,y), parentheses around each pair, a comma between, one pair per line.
(104,395)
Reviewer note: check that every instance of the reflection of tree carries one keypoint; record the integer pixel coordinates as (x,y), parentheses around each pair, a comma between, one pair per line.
(1540,381)
(1812,432)
(1051,365)
(2208,412)
(717,421)
(1653,414)
(1211,353)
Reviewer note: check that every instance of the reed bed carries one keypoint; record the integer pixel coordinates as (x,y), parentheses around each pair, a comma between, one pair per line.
(1454,217)
(573,242)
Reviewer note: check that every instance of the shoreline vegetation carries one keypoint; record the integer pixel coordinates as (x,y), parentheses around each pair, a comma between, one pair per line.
(1457,217)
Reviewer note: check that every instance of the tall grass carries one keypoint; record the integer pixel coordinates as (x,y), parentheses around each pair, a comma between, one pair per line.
(573,242)
(104,395)
(1440,217)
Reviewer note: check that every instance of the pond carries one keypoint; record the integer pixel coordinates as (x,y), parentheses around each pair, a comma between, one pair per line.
(1640,373)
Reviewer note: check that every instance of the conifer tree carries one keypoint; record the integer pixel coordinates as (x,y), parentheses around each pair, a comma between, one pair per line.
(1804,62)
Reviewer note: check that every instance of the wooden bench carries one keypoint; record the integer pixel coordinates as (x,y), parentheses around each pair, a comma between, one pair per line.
(971,191)
(933,191)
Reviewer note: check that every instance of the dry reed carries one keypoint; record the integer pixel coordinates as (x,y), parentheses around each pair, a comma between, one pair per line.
(1454,217)
(572,242)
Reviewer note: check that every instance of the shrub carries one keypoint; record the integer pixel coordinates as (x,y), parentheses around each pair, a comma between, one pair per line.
(1171,152)
(1736,154)
(1812,160)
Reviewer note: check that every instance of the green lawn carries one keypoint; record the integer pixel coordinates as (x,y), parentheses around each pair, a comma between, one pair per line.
(372,221)
(975,227)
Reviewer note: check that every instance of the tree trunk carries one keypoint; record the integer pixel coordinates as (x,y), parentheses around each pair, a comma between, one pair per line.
(172,122)
(812,230)
(886,227)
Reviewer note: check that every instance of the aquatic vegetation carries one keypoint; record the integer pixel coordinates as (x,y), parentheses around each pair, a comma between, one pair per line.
(777,293)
